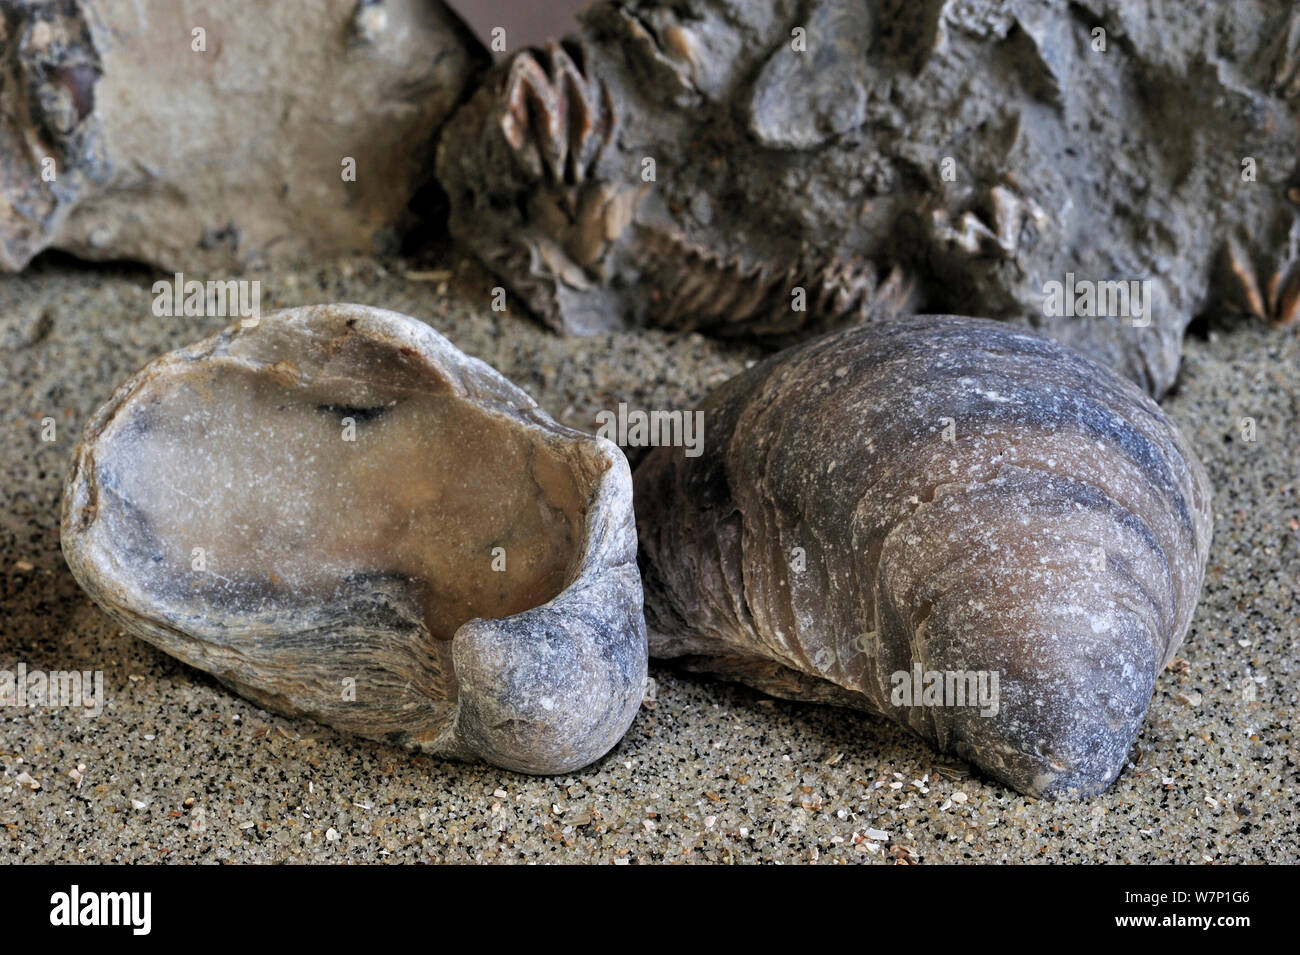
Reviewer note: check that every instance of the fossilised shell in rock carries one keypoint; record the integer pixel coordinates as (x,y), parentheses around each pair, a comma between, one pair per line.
(340,515)
(884,157)
(219,136)
(953,494)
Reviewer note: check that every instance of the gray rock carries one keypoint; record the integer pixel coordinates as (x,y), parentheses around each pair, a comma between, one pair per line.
(950,155)
(339,515)
(929,503)
(126,134)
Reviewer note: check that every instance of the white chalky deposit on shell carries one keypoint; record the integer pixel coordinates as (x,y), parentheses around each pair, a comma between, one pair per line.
(340,515)
(953,494)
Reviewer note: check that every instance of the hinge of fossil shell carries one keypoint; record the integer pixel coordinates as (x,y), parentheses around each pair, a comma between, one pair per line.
(1270,293)
(696,288)
(554,117)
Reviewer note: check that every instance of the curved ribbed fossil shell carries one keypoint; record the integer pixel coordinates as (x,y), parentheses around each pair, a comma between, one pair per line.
(953,494)
(340,515)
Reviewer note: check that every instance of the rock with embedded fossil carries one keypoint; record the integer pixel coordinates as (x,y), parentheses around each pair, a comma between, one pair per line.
(240,133)
(956,523)
(339,515)
(775,168)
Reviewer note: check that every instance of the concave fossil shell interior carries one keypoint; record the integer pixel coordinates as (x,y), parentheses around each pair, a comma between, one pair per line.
(939,496)
(338,514)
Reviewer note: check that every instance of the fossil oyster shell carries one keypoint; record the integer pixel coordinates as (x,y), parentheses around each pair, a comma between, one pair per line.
(340,515)
(957,495)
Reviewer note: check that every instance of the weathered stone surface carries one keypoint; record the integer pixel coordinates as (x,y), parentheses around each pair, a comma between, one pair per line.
(226,156)
(949,155)
(954,496)
(339,515)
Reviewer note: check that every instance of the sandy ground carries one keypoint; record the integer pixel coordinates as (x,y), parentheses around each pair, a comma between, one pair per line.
(176,768)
